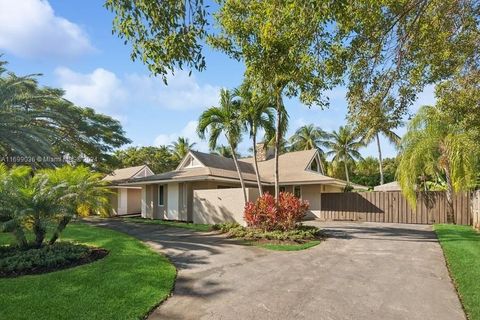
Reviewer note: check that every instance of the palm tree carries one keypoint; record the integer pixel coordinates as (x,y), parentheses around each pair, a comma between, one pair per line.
(181,147)
(256,113)
(223,151)
(380,122)
(27,121)
(224,119)
(437,145)
(343,146)
(309,137)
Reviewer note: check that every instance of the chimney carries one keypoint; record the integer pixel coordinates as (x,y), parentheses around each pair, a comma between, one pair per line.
(264,153)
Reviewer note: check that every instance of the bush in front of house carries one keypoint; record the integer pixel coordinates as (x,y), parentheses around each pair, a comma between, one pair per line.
(269,215)
(32,260)
(299,234)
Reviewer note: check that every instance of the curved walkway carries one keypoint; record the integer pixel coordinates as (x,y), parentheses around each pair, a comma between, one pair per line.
(363,271)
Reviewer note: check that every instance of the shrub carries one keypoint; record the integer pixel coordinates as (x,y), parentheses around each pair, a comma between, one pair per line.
(300,234)
(268,215)
(17,261)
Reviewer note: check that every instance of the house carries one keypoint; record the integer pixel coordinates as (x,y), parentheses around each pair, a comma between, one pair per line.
(391,186)
(126,199)
(204,188)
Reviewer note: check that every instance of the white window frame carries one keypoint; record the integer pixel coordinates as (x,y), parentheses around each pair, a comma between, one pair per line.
(300,188)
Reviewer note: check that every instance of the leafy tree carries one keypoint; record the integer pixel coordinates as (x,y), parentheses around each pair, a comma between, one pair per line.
(435,145)
(459,99)
(224,119)
(32,202)
(163,34)
(343,145)
(395,48)
(378,121)
(365,171)
(285,47)
(36,121)
(181,147)
(256,113)
(158,159)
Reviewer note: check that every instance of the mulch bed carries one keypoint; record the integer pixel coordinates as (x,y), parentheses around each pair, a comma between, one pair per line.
(94,255)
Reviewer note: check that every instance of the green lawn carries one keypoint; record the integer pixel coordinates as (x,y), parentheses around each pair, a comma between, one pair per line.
(176,224)
(461,245)
(126,284)
(285,247)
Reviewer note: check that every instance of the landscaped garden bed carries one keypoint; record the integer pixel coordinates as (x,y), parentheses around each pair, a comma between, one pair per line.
(274,224)
(126,284)
(300,238)
(15,261)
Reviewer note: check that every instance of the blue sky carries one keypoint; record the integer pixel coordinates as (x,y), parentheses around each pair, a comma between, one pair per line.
(71,44)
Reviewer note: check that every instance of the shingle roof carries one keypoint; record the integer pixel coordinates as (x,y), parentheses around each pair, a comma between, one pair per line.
(123,174)
(222,163)
(391,186)
(292,169)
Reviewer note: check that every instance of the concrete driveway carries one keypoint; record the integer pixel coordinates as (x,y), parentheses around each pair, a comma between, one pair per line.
(363,271)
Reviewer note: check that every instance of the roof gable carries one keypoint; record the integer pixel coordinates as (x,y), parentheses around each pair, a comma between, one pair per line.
(129,173)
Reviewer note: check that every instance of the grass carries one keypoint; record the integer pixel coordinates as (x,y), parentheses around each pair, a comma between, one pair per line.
(461,246)
(176,224)
(126,284)
(285,246)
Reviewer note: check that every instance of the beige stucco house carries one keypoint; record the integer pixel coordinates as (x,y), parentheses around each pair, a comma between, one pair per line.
(126,199)
(204,188)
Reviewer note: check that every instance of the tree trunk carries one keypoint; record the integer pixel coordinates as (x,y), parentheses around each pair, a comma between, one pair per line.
(277,142)
(346,172)
(380,161)
(254,139)
(450,210)
(242,183)
(61,226)
(39,232)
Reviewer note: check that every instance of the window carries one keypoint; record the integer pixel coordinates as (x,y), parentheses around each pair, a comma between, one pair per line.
(282,189)
(314,166)
(297,191)
(161,195)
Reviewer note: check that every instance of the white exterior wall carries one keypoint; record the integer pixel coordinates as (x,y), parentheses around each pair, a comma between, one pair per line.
(221,205)
(173,201)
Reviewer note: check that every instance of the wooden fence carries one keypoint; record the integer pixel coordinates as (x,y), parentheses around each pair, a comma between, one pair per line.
(476,209)
(431,207)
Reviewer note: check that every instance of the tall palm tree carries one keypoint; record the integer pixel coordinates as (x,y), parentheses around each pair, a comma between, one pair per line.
(256,113)
(224,119)
(309,137)
(437,145)
(343,145)
(223,151)
(181,147)
(380,122)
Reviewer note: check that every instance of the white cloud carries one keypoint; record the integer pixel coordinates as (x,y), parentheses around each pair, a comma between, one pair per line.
(30,28)
(103,89)
(100,89)
(183,92)
(189,131)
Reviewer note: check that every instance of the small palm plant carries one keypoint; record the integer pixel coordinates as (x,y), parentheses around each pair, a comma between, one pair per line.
(224,119)
(32,202)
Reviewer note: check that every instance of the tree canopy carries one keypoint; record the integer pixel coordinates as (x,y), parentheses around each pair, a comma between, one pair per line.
(38,125)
